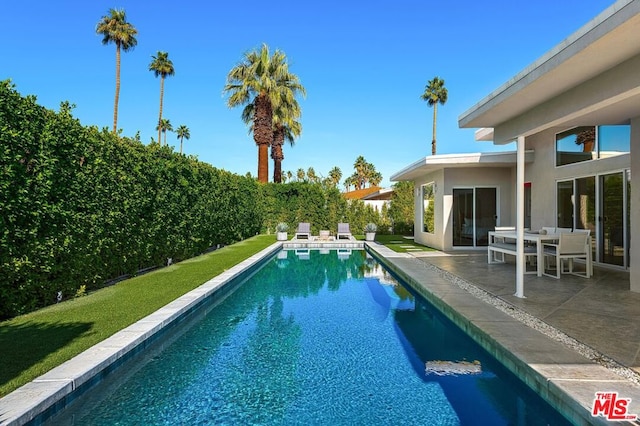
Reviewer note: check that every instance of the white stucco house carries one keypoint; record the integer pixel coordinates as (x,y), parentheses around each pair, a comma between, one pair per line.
(574,115)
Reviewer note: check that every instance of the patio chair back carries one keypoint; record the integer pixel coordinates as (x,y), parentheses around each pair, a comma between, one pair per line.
(573,243)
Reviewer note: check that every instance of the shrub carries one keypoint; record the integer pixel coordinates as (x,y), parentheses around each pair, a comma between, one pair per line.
(370,227)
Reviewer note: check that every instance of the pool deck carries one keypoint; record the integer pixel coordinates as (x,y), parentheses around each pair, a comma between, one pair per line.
(599,313)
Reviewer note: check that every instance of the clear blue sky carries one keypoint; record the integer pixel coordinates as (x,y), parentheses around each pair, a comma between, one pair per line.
(364,65)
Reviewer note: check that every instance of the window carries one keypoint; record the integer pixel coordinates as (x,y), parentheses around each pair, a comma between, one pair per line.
(590,142)
(428,192)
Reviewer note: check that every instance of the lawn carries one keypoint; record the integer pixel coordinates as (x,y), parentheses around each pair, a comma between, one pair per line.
(35,343)
(401,244)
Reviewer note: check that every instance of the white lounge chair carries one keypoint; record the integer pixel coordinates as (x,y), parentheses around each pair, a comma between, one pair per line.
(343,231)
(303,230)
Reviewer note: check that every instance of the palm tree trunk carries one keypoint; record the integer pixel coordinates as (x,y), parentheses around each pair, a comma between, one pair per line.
(277,154)
(160,114)
(433,141)
(115,105)
(263,163)
(263,135)
(181,145)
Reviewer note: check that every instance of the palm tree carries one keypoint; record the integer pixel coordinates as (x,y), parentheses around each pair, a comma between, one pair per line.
(435,93)
(115,29)
(164,126)
(311,175)
(335,175)
(263,80)
(300,174)
(360,175)
(285,127)
(162,67)
(183,133)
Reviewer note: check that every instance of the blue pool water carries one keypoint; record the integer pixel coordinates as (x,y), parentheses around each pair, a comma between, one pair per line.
(313,338)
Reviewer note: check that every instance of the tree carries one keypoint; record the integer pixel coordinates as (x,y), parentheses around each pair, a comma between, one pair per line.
(161,67)
(311,175)
(182,133)
(335,175)
(285,127)
(435,93)
(300,174)
(164,126)
(263,80)
(115,29)
(402,207)
(348,181)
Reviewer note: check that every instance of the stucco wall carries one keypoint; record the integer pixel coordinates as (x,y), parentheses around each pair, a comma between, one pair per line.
(544,176)
(449,179)
(635,211)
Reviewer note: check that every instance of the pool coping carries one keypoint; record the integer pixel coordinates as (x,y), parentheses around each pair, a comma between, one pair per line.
(53,387)
(567,380)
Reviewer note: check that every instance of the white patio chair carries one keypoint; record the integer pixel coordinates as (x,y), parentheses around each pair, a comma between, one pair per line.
(589,248)
(570,246)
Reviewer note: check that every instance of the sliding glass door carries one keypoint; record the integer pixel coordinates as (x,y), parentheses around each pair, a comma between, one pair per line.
(612,220)
(600,204)
(474,215)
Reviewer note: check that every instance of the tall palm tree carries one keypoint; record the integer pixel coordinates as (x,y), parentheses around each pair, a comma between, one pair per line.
(115,29)
(183,133)
(162,67)
(164,126)
(435,93)
(335,175)
(263,80)
(286,127)
(360,175)
(300,174)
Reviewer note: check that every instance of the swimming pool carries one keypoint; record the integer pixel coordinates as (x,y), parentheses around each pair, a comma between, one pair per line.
(313,337)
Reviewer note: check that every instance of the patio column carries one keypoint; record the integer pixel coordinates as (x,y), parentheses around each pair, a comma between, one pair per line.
(520,218)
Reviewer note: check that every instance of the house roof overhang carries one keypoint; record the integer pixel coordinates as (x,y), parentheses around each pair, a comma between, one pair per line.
(382,194)
(590,56)
(451,161)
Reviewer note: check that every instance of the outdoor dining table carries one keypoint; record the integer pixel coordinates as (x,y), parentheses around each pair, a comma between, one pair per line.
(530,237)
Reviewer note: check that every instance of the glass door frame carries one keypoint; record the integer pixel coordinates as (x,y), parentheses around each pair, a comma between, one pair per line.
(598,235)
(478,230)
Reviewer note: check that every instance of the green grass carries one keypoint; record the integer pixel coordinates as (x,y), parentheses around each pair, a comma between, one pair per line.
(400,244)
(35,343)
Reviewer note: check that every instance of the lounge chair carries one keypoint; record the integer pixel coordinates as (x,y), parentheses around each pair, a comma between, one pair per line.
(343,231)
(304,230)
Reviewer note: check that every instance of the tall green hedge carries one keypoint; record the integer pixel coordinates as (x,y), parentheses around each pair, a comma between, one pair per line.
(322,206)
(80,206)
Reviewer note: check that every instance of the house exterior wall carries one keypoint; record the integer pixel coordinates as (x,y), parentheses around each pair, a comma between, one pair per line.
(434,240)
(544,175)
(635,211)
(452,178)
